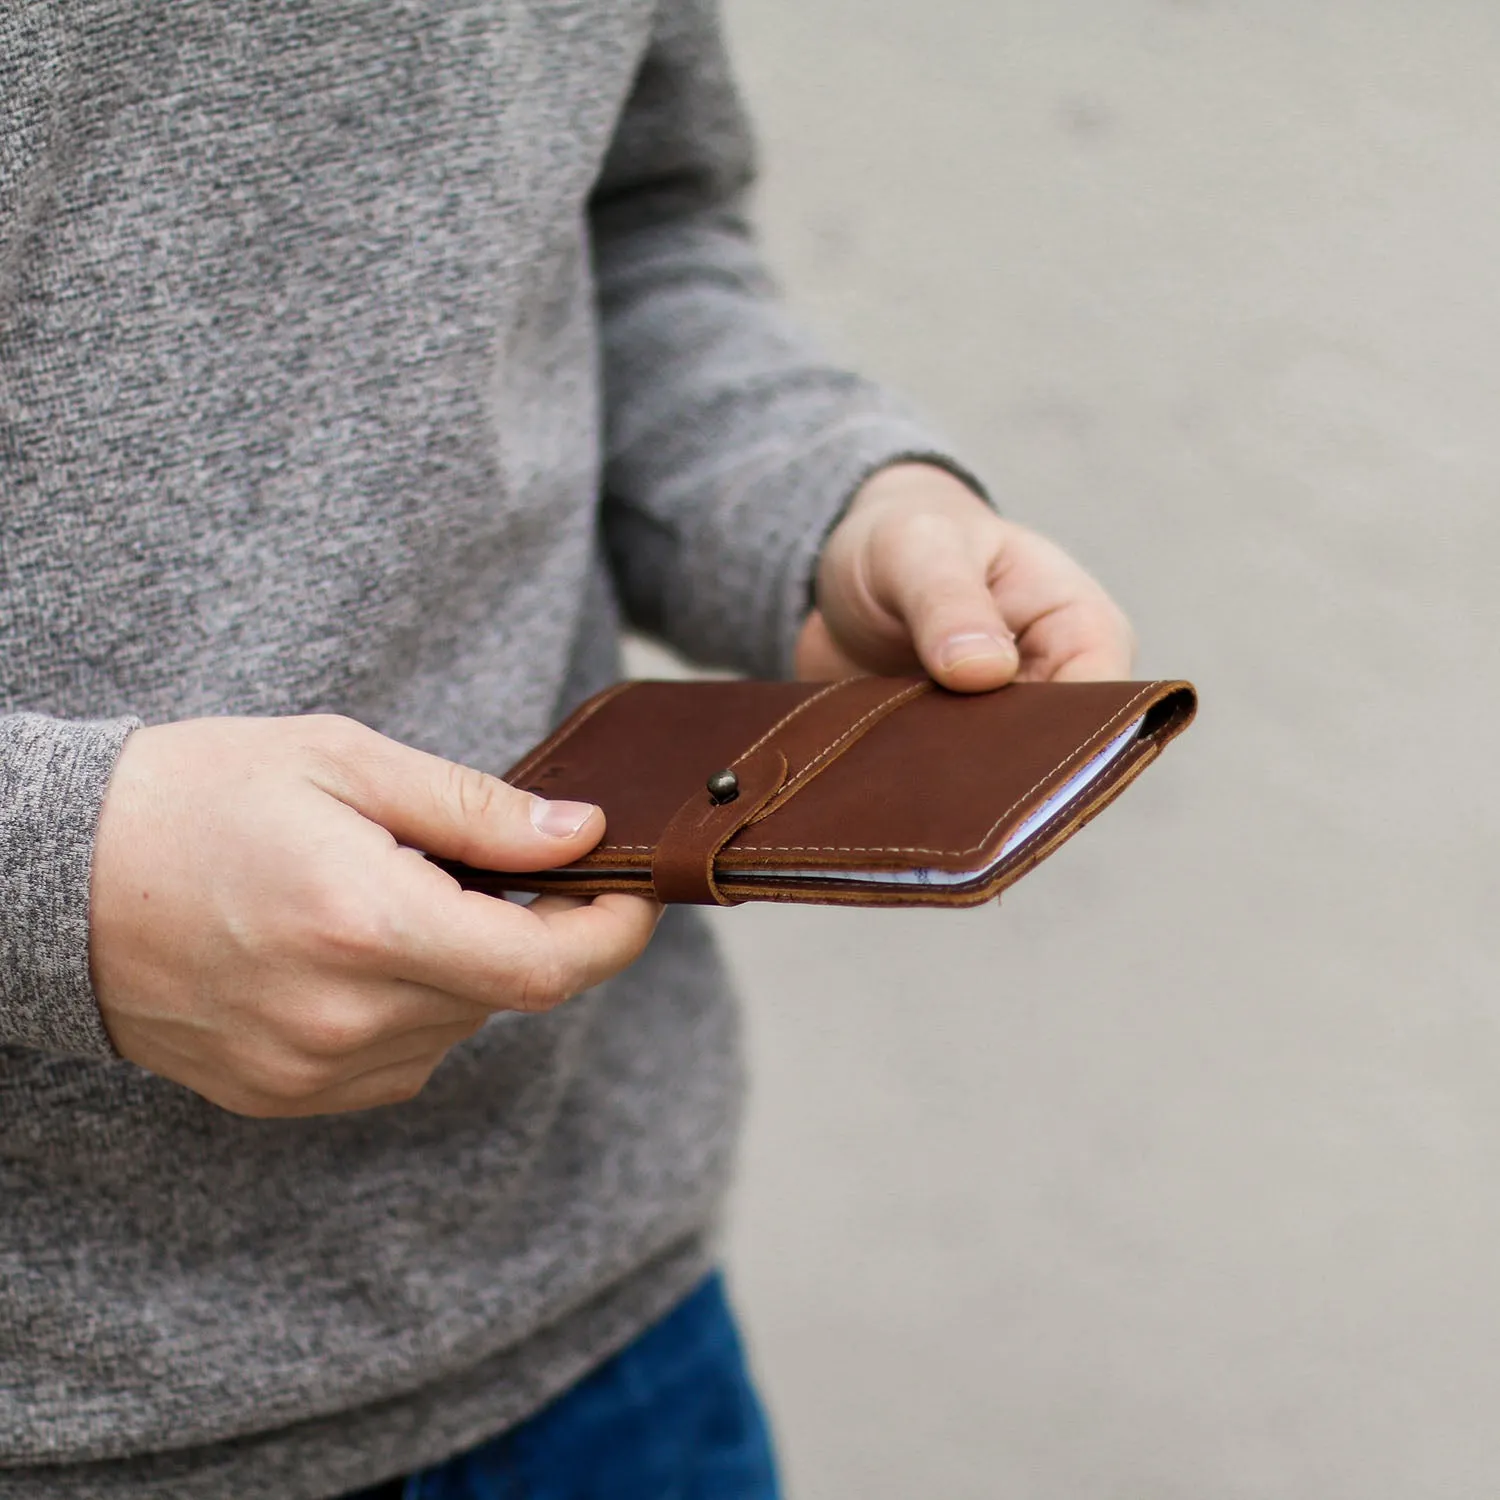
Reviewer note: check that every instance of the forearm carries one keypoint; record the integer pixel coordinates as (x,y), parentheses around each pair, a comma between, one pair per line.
(734,452)
(733,444)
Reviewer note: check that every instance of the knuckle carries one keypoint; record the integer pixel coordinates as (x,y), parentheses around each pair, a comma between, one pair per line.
(477,796)
(341,755)
(333,742)
(334,732)
(542,983)
(286,1081)
(346,929)
(336,1031)
(918,521)
(913,533)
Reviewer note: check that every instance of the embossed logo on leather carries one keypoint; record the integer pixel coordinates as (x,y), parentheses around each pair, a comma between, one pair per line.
(553,772)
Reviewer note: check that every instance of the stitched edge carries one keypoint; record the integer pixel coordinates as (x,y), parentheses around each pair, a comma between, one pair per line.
(786,719)
(973,848)
(885,706)
(561,736)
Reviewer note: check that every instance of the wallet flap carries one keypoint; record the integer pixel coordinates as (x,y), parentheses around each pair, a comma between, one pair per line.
(683,864)
(642,749)
(793,752)
(945,785)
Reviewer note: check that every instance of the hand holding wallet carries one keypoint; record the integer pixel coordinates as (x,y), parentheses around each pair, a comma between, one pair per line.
(874,791)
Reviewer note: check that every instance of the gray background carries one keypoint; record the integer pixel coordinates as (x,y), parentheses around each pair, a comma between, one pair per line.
(1178,1176)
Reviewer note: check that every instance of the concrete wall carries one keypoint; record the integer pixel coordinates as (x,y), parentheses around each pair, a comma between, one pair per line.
(1179,1176)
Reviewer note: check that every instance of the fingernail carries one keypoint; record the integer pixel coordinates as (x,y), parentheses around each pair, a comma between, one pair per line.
(559,820)
(976,645)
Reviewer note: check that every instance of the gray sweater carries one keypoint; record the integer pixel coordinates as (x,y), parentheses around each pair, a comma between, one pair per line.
(373,357)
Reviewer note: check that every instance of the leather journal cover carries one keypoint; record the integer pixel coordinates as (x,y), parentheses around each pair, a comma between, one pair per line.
(874,791)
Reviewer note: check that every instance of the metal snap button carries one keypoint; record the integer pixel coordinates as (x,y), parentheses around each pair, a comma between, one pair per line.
(723,786)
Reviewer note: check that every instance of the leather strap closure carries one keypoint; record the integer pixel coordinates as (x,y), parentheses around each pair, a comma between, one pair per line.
(682,869)
(800,747)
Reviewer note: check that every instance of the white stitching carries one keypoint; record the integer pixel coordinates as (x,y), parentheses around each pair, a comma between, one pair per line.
(951,853)
(878,848)
(784,793)
(745,755)
(802,777)
(785,719)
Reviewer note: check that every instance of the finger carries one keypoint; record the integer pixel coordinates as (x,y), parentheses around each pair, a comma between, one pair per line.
(925,570)
(541,905)
(1085,641)
(443,808)
(298,1073)
(283,1081)
(510,957)
(600,938)
(1094,664)
(429,1042)
(354,1021)
(397,1083)
(1067,626)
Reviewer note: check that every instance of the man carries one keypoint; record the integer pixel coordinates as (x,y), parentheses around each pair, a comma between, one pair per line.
(359,361)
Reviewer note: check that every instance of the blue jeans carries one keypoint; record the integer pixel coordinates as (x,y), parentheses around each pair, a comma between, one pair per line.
(672,1417)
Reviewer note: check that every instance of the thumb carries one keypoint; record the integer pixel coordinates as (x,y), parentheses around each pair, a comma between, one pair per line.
(930,576)
(454,811)
(817,656)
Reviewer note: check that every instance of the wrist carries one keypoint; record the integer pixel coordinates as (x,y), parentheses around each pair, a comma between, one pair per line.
(912,483)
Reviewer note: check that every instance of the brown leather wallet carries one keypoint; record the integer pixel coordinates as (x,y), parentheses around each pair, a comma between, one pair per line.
(875,791)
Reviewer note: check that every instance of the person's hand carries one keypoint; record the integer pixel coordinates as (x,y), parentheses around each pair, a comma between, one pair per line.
(264,931)
(921,575)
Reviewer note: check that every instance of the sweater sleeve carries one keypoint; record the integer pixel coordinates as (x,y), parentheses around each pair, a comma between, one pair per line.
(732,445)
(53,774)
